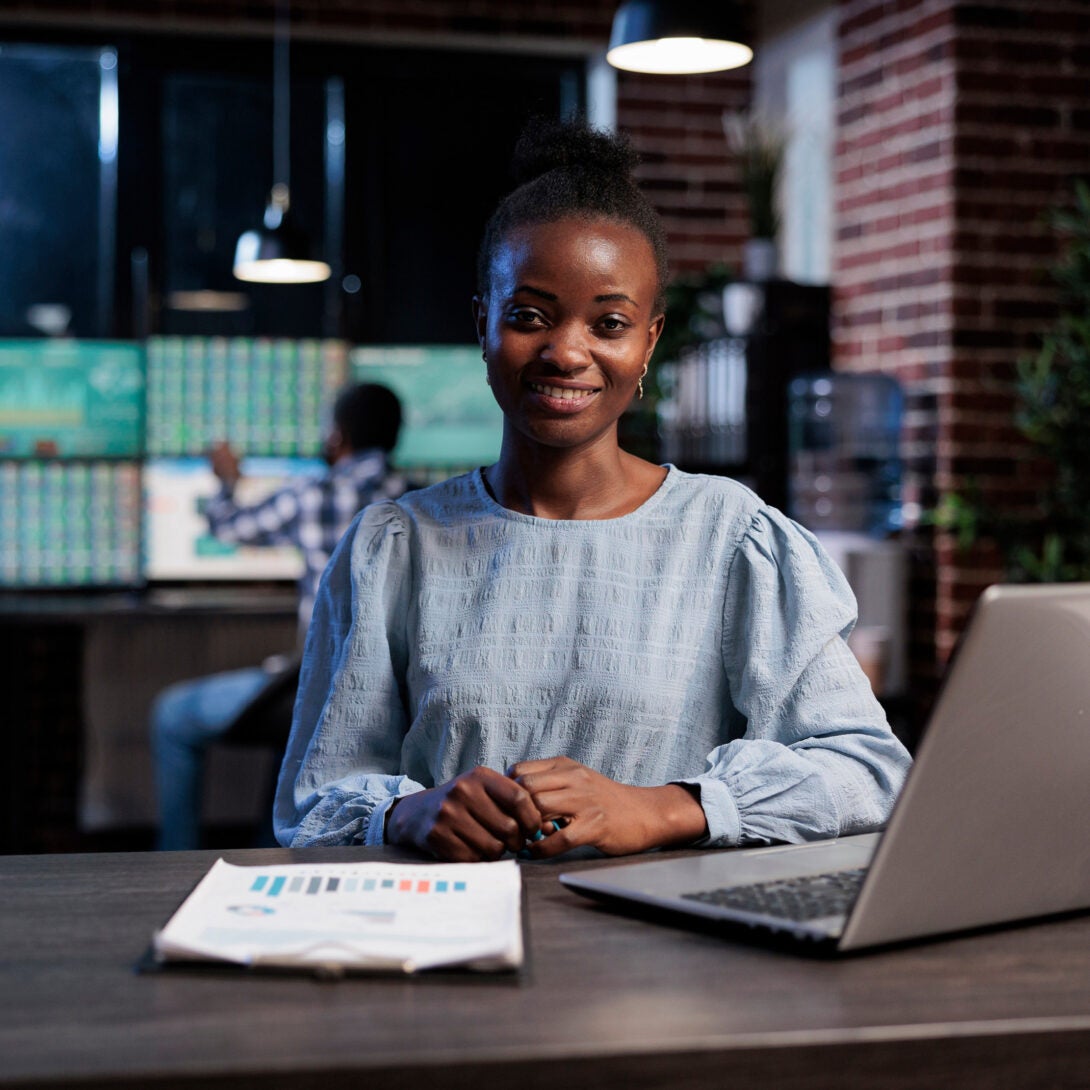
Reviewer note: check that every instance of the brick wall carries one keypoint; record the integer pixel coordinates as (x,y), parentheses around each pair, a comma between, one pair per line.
(1023,136)
(959,124)
(677,124)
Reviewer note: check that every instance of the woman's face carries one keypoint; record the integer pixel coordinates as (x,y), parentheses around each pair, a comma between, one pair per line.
(568,326)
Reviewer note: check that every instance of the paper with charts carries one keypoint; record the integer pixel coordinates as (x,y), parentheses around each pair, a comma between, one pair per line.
(333,917)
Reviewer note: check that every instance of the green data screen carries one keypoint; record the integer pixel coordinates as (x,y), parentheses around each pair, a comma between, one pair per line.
(450,416)
(71,399)
(268,397)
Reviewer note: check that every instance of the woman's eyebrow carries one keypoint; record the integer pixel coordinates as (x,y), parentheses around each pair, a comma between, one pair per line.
(609,297)
(540,292)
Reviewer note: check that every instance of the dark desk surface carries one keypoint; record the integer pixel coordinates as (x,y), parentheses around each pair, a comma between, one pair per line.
(606,1000)
(76,607)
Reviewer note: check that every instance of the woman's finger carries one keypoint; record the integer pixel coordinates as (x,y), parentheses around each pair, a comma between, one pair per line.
(517,803)
(470,844)
(478,819)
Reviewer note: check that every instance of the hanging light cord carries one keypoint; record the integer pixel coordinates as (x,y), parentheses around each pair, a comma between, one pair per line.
(278,253)
(282,100)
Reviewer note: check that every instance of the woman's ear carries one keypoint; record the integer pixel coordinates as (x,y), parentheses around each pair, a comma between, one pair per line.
(654,331)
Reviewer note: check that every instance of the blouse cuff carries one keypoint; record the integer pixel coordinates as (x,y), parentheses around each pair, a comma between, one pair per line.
(375,837)
(376,826)
(720,812)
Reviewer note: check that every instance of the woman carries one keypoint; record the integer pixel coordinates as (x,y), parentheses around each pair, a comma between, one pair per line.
(574,647)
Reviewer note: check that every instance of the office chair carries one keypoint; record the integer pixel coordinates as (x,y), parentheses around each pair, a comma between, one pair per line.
(265,722)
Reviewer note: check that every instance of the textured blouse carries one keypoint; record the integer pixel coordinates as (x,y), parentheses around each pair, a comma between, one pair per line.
(698,639)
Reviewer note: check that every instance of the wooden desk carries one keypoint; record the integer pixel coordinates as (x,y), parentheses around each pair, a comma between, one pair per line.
(606,1001)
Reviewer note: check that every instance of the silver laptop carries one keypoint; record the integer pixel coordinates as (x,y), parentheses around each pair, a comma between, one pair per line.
(993,824)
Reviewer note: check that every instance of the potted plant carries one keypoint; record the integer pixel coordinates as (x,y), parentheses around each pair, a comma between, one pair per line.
(759,146)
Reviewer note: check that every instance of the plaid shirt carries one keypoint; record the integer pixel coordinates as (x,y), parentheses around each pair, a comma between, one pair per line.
(312,514)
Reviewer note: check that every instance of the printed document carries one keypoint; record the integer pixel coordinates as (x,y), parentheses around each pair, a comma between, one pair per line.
(359,916)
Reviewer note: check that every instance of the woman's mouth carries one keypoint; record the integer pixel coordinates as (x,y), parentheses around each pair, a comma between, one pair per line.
(563,398)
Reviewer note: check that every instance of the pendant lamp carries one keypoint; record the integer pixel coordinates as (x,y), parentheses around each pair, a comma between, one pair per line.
(678,37)
(278,252)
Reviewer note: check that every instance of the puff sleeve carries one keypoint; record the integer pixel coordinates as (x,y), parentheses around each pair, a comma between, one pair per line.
(817,758)
(340,770)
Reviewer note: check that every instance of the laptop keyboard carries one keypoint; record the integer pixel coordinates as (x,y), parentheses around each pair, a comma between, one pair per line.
(807,898)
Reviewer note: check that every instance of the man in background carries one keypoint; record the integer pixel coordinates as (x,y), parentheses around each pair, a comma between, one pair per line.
(313,515)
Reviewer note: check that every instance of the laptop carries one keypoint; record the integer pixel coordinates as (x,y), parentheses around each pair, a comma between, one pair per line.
(992,826)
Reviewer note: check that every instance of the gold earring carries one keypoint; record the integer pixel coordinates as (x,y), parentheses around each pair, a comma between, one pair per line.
(639,385)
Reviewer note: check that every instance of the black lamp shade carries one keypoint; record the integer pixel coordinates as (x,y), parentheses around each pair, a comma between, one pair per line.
(678,36)
(278,254)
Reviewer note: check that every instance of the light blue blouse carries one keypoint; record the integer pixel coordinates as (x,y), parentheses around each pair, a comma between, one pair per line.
(698,639)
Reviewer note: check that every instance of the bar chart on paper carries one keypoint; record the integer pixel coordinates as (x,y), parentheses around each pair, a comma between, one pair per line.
(362,916)
(273,885)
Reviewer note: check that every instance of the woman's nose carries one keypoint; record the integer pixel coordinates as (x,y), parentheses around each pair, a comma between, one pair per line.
(567,348)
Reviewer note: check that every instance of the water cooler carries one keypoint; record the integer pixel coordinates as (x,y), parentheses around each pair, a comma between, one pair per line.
(844,484)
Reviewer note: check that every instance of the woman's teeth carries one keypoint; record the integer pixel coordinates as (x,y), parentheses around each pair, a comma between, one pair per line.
(564,393)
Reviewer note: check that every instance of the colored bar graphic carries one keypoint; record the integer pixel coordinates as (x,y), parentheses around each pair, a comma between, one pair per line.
(274,886)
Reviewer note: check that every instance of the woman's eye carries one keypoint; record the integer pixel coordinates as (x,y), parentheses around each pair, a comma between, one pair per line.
(525,317)
(612,324)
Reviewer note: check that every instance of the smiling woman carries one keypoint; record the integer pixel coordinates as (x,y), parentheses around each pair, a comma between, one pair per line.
(574,647)
(568,326)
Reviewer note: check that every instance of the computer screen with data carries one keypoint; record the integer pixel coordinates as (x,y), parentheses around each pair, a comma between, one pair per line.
(450,418)
(63,398)
(70,524)
(179,545)
(266,397)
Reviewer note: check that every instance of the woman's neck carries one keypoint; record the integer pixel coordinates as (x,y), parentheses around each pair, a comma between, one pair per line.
(601,482)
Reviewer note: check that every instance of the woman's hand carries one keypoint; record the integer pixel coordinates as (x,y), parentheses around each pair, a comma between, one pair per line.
(477,816)
(613,817)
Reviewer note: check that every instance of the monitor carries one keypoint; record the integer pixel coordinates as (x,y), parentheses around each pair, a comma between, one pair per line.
(267,397)
(450,418)
(70,524)
(178,543)
(63,398)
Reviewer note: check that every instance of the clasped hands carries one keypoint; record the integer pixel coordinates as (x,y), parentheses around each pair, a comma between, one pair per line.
(543,808)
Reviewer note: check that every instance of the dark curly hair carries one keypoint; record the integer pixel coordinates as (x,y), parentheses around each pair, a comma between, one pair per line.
(568,168)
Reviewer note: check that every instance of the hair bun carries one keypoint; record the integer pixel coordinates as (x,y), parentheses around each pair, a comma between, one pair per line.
(547,144)
(566,169)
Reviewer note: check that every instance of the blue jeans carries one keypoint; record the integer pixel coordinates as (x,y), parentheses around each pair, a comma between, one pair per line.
(186,719)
